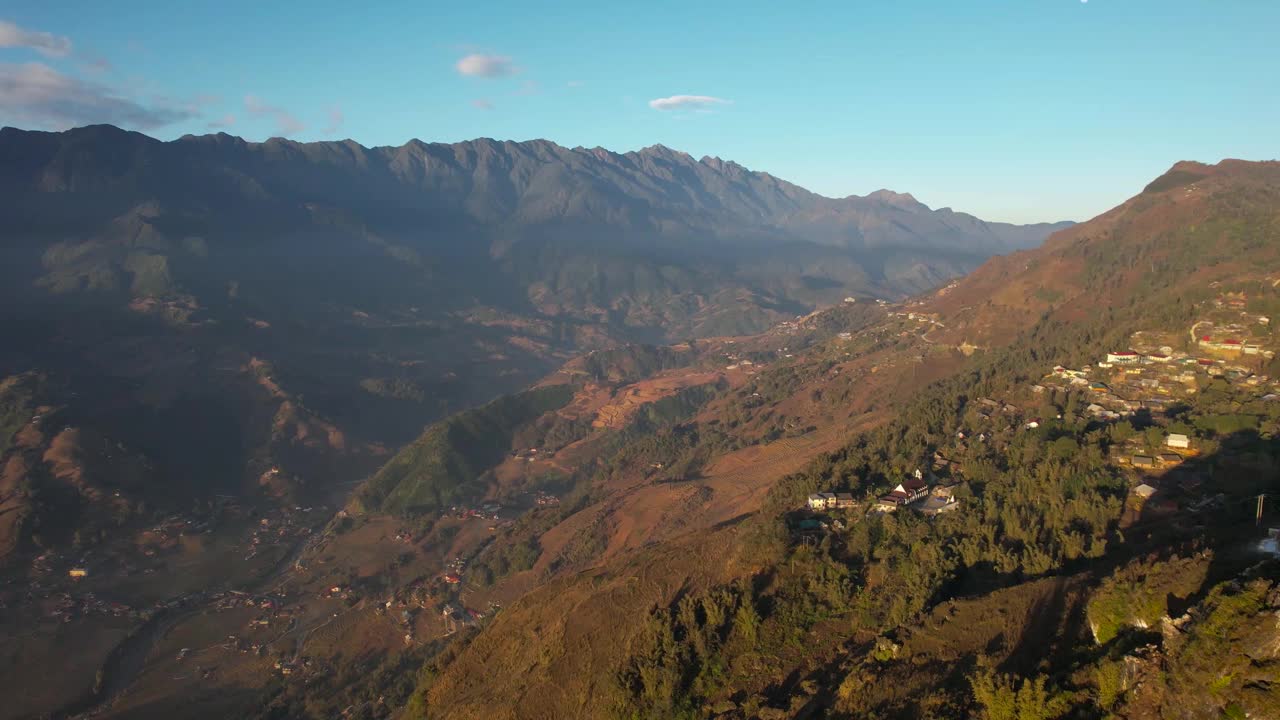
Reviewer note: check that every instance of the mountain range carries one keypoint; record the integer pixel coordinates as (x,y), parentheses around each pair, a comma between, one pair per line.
(654,244)
(217,305)
(239,370)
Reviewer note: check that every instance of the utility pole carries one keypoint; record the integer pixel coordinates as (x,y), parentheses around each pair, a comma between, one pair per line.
(1258,519)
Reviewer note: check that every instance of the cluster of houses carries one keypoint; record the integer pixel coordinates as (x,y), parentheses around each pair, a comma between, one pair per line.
(1168,459)
(735,363)
(487,511)
(526,454)
(275,529)
(1172,441)
(1126,381)
(542,499)
(831,501)
(919,317)
(913,491)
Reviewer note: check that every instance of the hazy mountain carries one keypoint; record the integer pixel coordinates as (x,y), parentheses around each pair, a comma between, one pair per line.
(653,241)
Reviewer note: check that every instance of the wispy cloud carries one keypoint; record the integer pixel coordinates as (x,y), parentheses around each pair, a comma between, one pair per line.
(336,119)
(226,121)
(286,122)
(687,102)
(486,66)
(575,84)
(47,44)
(36,93)
(482,104)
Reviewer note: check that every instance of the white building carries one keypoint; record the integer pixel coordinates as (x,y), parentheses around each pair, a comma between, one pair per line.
(1125,357)
(1177,440)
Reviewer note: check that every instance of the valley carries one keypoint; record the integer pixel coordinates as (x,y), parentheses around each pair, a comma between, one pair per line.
(760,524)
(644,361)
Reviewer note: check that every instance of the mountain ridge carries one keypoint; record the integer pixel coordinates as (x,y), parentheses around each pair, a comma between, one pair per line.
(652,243)
(484,147)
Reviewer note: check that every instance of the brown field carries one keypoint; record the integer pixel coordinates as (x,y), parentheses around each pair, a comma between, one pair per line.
(34,650)
(542,655)
(623,403)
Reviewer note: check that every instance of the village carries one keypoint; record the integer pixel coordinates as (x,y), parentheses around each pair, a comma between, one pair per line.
(1157,373)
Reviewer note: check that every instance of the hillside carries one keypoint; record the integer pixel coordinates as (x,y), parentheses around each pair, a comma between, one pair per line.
(774,624)
(1153,256)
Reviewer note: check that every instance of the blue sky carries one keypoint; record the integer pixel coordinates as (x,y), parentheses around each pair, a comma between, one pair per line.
(1016,110)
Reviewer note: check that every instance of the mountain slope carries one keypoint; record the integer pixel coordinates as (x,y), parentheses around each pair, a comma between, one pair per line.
(1198,223)
(982,608)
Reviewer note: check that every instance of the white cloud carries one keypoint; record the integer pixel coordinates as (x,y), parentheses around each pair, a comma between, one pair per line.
(336,119)
(486,66)
(37,94)
(223,122)
(687,102)
(286,122)
(482,104)
(47,44)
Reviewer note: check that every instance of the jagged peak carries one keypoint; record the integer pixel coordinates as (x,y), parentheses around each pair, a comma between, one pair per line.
(897,199)
(660,150)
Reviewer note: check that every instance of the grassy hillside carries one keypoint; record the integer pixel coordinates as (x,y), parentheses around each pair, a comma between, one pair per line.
(442,466)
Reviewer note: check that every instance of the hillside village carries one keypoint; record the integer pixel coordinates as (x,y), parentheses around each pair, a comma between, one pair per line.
(1158,375)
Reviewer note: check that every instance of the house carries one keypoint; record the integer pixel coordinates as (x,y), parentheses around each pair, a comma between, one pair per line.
(1144,491)
(885,504)
(1178,440)
(828,499)
(817,502)
(77,573)
(940,501)
(907,492)
(1170,458)
(844,501)
(935,505)
(1143,461)
(1123,357)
